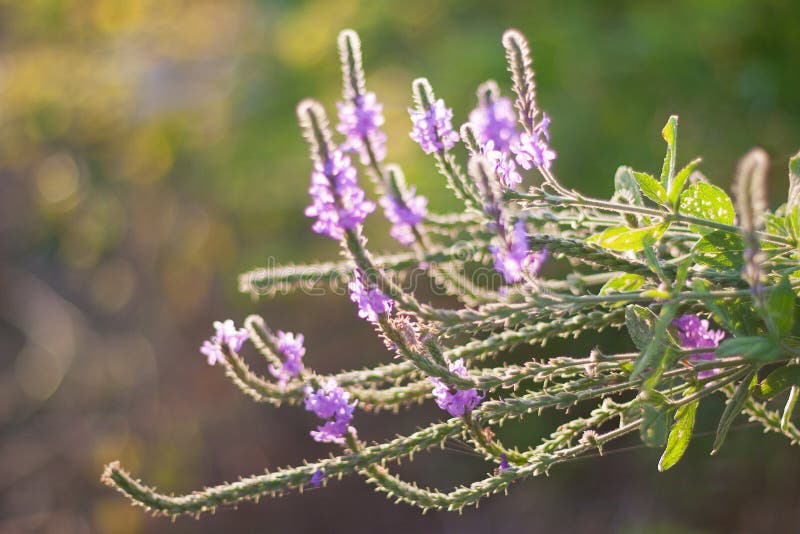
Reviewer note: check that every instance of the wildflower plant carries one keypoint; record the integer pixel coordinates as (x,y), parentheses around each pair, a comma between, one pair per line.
(705,288)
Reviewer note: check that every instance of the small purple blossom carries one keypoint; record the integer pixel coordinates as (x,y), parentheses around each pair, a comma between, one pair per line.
(513,260)
(694,333)
(455,401)
(337,201)
(503,166)
(360,121)
(433,128)
(317,477)
(225,334)
(332,403)
(495,122)
(503,463)
(371,302)
(404,215)
(291,348)
(532,149)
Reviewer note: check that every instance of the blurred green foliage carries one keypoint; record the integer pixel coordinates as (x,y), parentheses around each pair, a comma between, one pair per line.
(149,152)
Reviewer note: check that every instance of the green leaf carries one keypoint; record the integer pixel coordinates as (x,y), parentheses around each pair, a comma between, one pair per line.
(679,436)
(676,188)
(732,409)
(623,238)
(720,250)
(670,135)
(708,202)
(623,283)
(654,426)
(650,187)
(640,322)
(780,308)
(756,348)
(778,381)
(794,182)
(625,185)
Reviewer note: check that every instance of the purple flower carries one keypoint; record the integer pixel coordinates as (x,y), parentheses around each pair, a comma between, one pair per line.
(213,352)
(503,166)
(513,260)
(495,122)
(337,201)
(360,121)
(455,401)
(291,348)
(316,478)
(503,463)
(332,403)
(225,334)
(405,214)
(371,302)
(694,333)
(532,149)
(433,128)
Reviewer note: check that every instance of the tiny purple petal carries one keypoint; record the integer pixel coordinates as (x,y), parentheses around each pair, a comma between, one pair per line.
(291,348)
(532,149)
(361,120)
(513,260)
(317,477)
(404,215)
(503,166)
(213,352)
(433,128)
(332,403)
(503,463)
(694,333)
(455,401)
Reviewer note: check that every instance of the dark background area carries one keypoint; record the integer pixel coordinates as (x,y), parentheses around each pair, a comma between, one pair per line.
(149,153)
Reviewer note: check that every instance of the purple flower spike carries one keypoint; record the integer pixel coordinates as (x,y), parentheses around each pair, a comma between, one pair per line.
(455,401)
(225,334)
(317,477)
(337,201)
(291,348)
(513,260)
(371,302)
(694,333)
(332,403)
(404,215)
(433,128)
(532,149)
(360,121)
(495,122)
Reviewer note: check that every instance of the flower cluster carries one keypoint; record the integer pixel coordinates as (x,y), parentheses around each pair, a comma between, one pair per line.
(433,127)
(372,302)
(533,149)
(332,403)
(226,335)
(455,401)
(513,260)
(291,347)
(337,201)
(495,121)
(360,121)
(503,166)
(404,214)
(694,333)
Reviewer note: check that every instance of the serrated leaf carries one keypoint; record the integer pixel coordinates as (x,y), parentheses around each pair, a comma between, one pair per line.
(732,409)
(679,436)
(670,135)
(709,202)
(654,426)
(640,322)
(676,188)
(623,283)
(650,187)
(720,250)
(756,348)
(622,238)
(780,308)
(778,381)
(625,184)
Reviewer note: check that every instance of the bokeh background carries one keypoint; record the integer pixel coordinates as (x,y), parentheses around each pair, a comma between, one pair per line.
(149,153)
